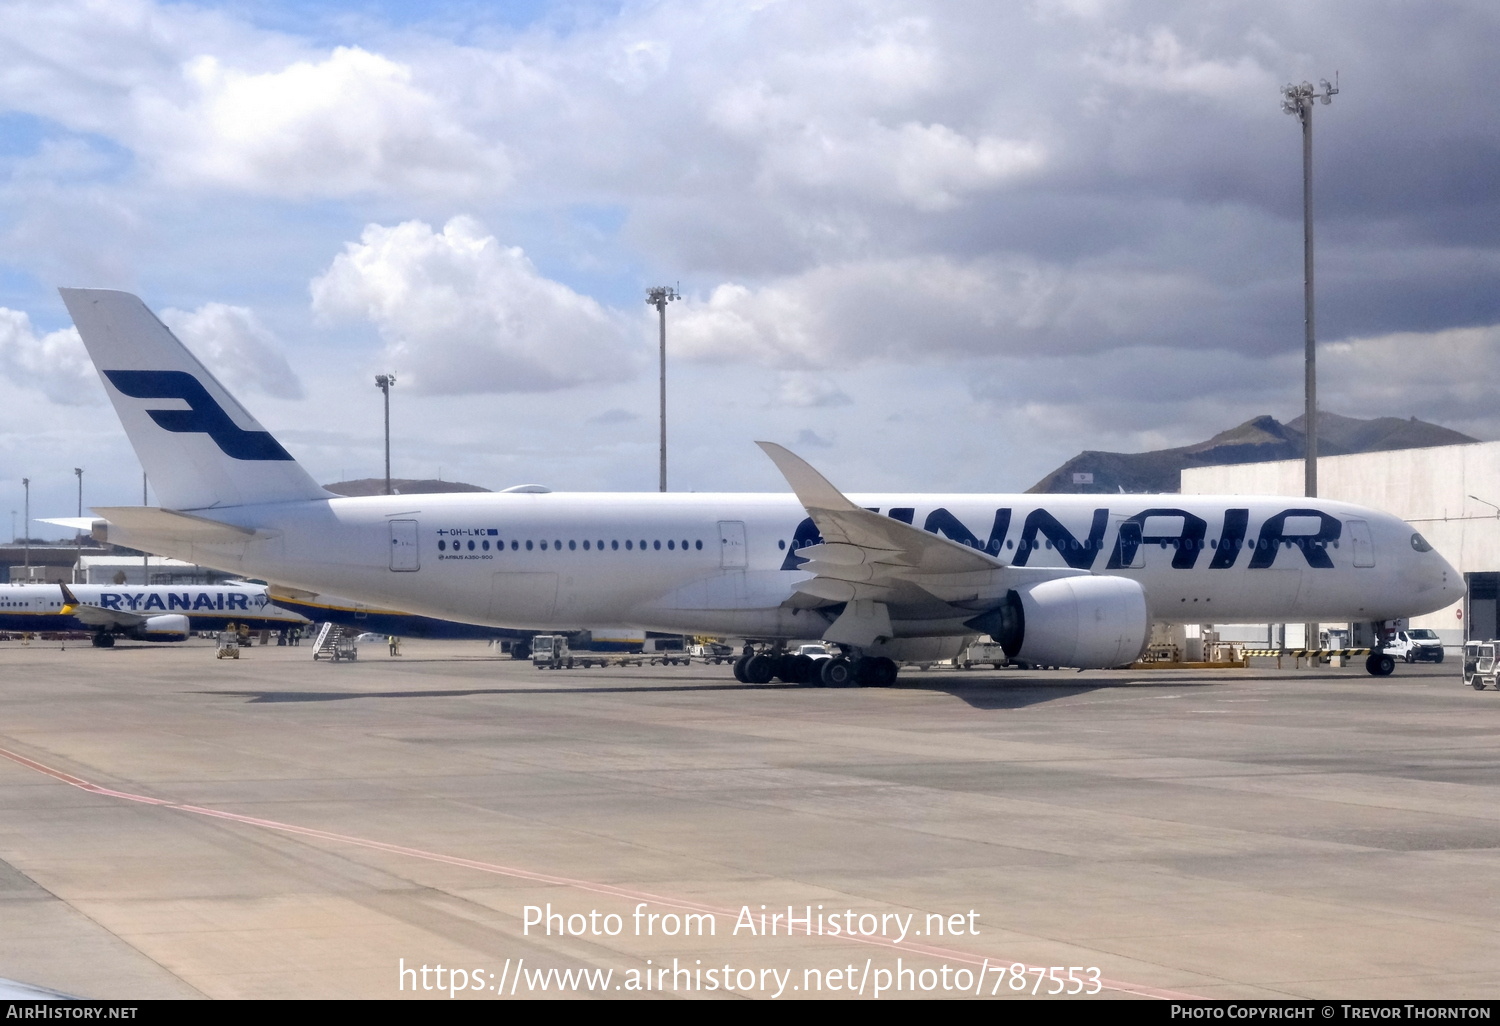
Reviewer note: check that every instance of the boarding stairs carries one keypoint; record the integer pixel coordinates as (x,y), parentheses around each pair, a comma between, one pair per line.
(327,640)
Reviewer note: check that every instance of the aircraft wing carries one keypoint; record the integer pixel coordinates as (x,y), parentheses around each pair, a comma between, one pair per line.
(864,555)
(97,616)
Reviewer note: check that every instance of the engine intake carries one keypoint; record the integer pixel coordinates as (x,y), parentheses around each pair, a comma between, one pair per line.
(1088,622)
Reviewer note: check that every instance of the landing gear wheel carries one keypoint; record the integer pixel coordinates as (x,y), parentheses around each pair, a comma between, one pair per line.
(837,673)
(739,669)
(760,669)
(103,640)
(1380,665)
(804,670)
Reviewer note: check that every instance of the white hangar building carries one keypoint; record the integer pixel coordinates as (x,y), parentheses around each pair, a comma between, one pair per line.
(1450,493)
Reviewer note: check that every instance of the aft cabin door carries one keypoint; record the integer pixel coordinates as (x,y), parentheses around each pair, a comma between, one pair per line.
(404,545)
(732,544)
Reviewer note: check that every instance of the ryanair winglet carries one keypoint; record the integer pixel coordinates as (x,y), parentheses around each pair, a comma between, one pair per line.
(199,446)
(70,601)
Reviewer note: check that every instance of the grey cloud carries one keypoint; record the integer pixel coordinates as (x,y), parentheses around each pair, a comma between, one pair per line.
(615,416)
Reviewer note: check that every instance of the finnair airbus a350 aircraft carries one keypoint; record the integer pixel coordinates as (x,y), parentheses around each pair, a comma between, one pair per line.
(1066,580)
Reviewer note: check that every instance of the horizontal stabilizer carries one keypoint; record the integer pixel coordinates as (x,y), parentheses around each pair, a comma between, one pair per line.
(81,524)
(173,524)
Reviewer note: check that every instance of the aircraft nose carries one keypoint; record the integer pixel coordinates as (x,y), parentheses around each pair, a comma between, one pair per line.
(1453,581)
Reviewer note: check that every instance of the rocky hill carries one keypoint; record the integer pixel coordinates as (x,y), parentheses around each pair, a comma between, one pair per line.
(1256,441)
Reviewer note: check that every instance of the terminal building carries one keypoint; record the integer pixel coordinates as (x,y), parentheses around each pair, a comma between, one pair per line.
(1450,493)
(50,563)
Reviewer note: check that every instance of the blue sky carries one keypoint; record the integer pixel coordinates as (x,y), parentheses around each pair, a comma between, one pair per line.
(934,245)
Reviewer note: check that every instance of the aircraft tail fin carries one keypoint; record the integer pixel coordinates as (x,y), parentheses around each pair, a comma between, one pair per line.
(199,446)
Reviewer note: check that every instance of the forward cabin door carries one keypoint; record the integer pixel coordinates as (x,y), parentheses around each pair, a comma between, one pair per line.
(404,545)
(1363,542)
(732,555)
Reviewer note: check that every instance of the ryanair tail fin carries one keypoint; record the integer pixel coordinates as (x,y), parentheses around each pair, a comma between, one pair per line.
(199,446)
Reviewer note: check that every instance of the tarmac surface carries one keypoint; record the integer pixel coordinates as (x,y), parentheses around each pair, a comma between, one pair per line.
(172,825)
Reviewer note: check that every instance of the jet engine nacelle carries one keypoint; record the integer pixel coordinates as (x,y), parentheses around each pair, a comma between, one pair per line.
(167,627)
(1089,622)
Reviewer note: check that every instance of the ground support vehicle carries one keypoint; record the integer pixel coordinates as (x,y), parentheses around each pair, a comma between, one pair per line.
(1415,645)
(982,652)
(713,652)
(552,652)
(667,652)
(1480,670)
(228,646)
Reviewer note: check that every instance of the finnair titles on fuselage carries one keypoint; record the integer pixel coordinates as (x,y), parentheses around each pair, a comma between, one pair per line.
(1065,580)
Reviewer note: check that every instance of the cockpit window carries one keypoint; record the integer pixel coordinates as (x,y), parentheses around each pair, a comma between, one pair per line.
(1420,544)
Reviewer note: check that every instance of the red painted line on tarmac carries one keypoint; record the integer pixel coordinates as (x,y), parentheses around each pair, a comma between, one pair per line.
(949,954)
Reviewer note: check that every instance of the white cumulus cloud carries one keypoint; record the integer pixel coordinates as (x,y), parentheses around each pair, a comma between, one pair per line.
(239,350)
(460,313)
(356,122)
(55,362)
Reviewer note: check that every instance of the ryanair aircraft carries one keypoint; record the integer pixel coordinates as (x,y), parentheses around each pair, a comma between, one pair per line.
(140,613)
(1065,580)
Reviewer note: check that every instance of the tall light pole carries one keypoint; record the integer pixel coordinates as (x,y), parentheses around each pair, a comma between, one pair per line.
(78,537)
(659,296)
(145,556)
(1299,100)
(26,483)
(385,382)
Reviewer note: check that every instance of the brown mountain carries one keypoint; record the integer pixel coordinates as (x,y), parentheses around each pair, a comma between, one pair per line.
(399,485)
(1256,441)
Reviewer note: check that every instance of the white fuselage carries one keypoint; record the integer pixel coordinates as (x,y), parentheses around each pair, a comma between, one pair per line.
(725,563)
(40,607)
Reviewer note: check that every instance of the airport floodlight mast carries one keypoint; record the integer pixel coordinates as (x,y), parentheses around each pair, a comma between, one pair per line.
(385,382)
(26,484)
(659,296)
(78,535)
(1487,502)
(1299,100)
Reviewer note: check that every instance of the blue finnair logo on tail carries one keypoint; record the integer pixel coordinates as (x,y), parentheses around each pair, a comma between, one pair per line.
(205,416)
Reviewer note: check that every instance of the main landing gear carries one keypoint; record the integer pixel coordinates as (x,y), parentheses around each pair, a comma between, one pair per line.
(841,671)
(103,639)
